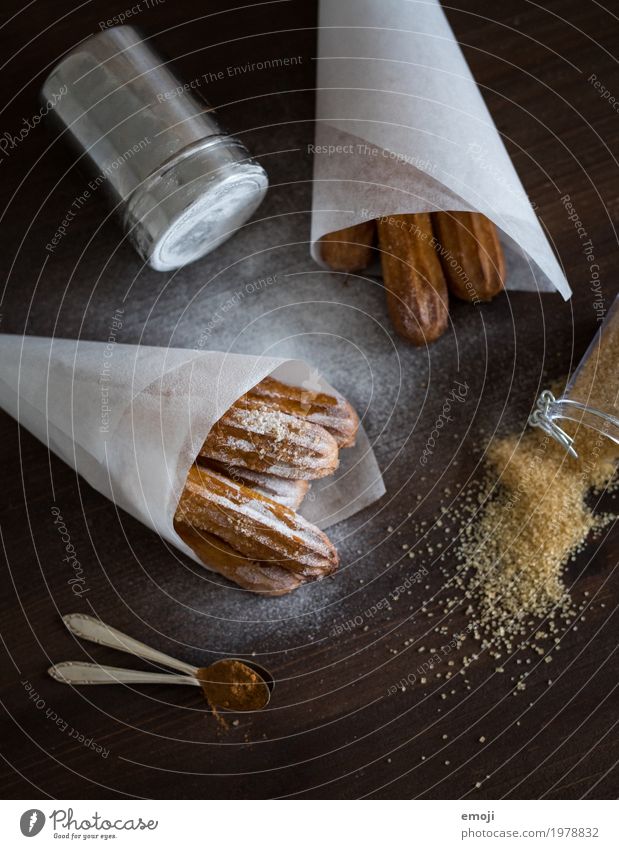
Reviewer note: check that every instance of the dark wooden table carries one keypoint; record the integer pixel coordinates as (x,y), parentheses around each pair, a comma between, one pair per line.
(332,729)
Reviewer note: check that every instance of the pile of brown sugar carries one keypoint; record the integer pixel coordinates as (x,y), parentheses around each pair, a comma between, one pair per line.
(532,515)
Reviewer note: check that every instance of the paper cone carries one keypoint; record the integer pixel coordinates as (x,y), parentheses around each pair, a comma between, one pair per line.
(131,419)
(402,128)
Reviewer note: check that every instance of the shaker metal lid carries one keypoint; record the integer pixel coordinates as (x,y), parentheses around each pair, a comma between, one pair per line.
(180,184)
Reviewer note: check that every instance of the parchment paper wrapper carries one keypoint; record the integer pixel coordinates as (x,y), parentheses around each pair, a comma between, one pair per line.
(131,419)
(402,127)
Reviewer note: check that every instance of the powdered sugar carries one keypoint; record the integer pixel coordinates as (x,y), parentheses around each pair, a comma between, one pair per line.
(267,422)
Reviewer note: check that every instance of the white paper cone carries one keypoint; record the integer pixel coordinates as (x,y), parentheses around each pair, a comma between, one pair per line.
(131,419)
(402,128)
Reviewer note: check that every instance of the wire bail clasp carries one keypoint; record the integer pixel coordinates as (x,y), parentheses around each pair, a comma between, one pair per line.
(542,417)
(548,409)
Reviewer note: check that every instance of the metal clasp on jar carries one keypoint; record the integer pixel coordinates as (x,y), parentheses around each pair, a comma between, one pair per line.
(548,409)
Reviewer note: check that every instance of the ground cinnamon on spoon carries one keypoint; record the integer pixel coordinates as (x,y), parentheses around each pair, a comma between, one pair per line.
(232,685)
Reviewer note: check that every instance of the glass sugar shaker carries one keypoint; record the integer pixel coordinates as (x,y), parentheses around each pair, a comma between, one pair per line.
(181,185)
(591,397)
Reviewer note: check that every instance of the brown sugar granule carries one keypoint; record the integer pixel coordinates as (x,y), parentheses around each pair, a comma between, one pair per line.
(518,546)
(534,516)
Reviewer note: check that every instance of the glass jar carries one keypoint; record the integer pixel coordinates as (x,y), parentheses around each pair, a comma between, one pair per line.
(591,398)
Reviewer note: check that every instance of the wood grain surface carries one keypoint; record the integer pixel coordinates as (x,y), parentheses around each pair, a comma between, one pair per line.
(332,730)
